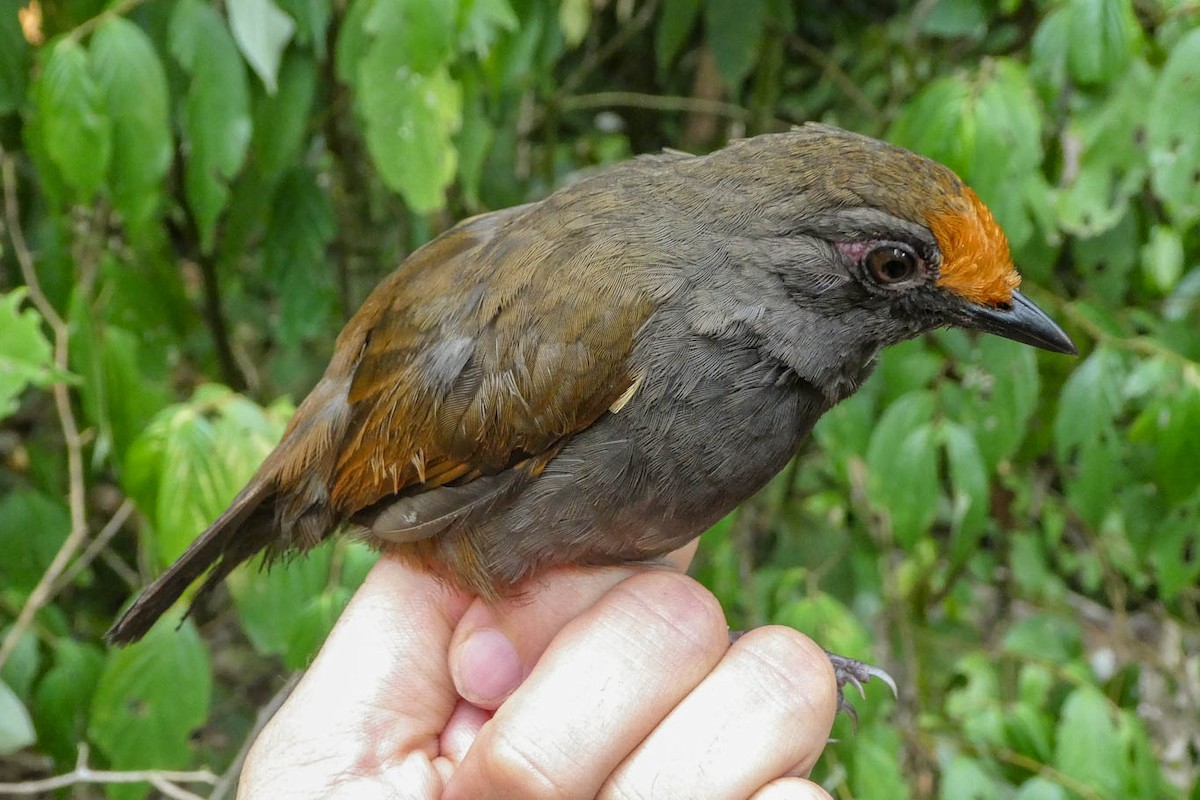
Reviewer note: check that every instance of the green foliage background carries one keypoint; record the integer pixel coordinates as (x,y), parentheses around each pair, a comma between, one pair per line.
(196,197)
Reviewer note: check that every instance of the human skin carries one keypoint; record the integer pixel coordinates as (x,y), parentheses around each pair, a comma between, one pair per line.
(606,683)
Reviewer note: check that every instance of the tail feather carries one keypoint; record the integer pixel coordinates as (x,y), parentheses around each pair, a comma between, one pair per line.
(245,528)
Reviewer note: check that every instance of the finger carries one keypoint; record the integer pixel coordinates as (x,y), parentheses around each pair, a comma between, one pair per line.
(378,689)
(764,712)
(791,789)
(601,686)
(496,646)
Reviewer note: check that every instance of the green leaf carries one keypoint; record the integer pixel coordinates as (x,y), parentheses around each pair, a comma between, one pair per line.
(419,33)
(23,664)
(1113,36)
(14,58)
(902,467)
(956,18)
(969,483)
(76,126)
(26,357)
(216,118)
(64,696)
(965,779)
(33,526)
(1088,743)
(150,698)
(312,626)
(1163,258)
(734,31)
(1171,131)
(574,16)
(192,459)
(262,32)
(312,22)
(1175,551)
(299,229)
(132,82)
(480,22)
(281,120)
(16,728)
(1088,403)
(677,22)
(269,600)
(1044,637)
(1041,789)
(410,120)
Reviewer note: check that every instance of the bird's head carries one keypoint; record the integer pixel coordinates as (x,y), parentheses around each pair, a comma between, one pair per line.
(877,244)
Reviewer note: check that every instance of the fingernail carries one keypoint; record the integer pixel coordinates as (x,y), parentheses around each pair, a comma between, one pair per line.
(487,669)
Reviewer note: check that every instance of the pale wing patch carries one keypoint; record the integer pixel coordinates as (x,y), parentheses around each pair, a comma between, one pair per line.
(628,394)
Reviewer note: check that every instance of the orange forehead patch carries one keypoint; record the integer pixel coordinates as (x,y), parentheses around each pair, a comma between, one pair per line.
(976,264)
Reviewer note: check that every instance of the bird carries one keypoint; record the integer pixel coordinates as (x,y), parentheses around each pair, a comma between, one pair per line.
(597,377)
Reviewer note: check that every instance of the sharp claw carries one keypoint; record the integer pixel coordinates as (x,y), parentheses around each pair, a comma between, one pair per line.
(876,672)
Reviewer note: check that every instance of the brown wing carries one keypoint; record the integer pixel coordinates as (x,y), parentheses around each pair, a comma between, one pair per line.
(487,347)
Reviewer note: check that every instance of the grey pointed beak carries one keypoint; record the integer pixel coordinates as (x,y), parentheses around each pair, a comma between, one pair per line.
(1021,321)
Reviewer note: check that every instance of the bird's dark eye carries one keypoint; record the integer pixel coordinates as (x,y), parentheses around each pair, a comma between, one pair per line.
(892,264)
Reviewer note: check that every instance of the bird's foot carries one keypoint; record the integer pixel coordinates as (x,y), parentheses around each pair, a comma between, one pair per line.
(849,672)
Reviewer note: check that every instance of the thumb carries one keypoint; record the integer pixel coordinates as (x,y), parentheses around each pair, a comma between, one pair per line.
(379,688)
(494,648)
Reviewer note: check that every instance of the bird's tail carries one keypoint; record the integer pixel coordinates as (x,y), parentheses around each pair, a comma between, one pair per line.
(245,528)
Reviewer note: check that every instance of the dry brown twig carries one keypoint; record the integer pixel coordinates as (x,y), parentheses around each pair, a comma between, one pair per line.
(42,593)
(165,781)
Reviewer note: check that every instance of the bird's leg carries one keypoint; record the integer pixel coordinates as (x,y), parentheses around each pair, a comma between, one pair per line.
(847,672)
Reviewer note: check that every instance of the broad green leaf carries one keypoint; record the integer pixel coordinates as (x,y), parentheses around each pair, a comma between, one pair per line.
(1041,789)
(1174,551)
(481,21)
(574,17)
(132,82)
(76,125)
(14,58)
(734,32)
(1088,743)
(269,600)
(1111,164)
(16,728)
(474,140)
(966,779)
(677,22)
(312,626)
(1113,35)
(902,467)
(419,33)
(299,229)
(1163,257)
(23,664)
(353,41)
(192,459)
(312,22)
(261,31)
(216,119)
(1044,636)
(934,123)
(150,698)
(969,485)
(1171,131)
(956,18)
(876,771)
(1088,402)
(33,526)
(410,120)
(26,357)
(1001,393)
(281,120)
(64,696)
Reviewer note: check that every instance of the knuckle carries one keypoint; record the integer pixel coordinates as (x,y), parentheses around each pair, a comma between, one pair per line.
(685,611)
(792,669)
(516,766)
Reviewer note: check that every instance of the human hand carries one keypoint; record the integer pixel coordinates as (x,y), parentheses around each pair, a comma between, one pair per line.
(610,683)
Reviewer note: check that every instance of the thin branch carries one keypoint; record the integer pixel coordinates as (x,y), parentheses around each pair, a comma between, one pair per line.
(229,780)
(95,546)
(66,416)
(87,26)
(597,57)
(164,780)
(655,102)
(835,73)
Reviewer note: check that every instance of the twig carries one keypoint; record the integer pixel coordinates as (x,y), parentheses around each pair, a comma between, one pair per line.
(95,546)
(230,778)
(66,416)
(89,25)
(836,74)
(607,50)
(655,102)
(163,780)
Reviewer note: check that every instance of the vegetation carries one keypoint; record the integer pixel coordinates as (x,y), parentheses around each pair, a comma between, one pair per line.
(196,196)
